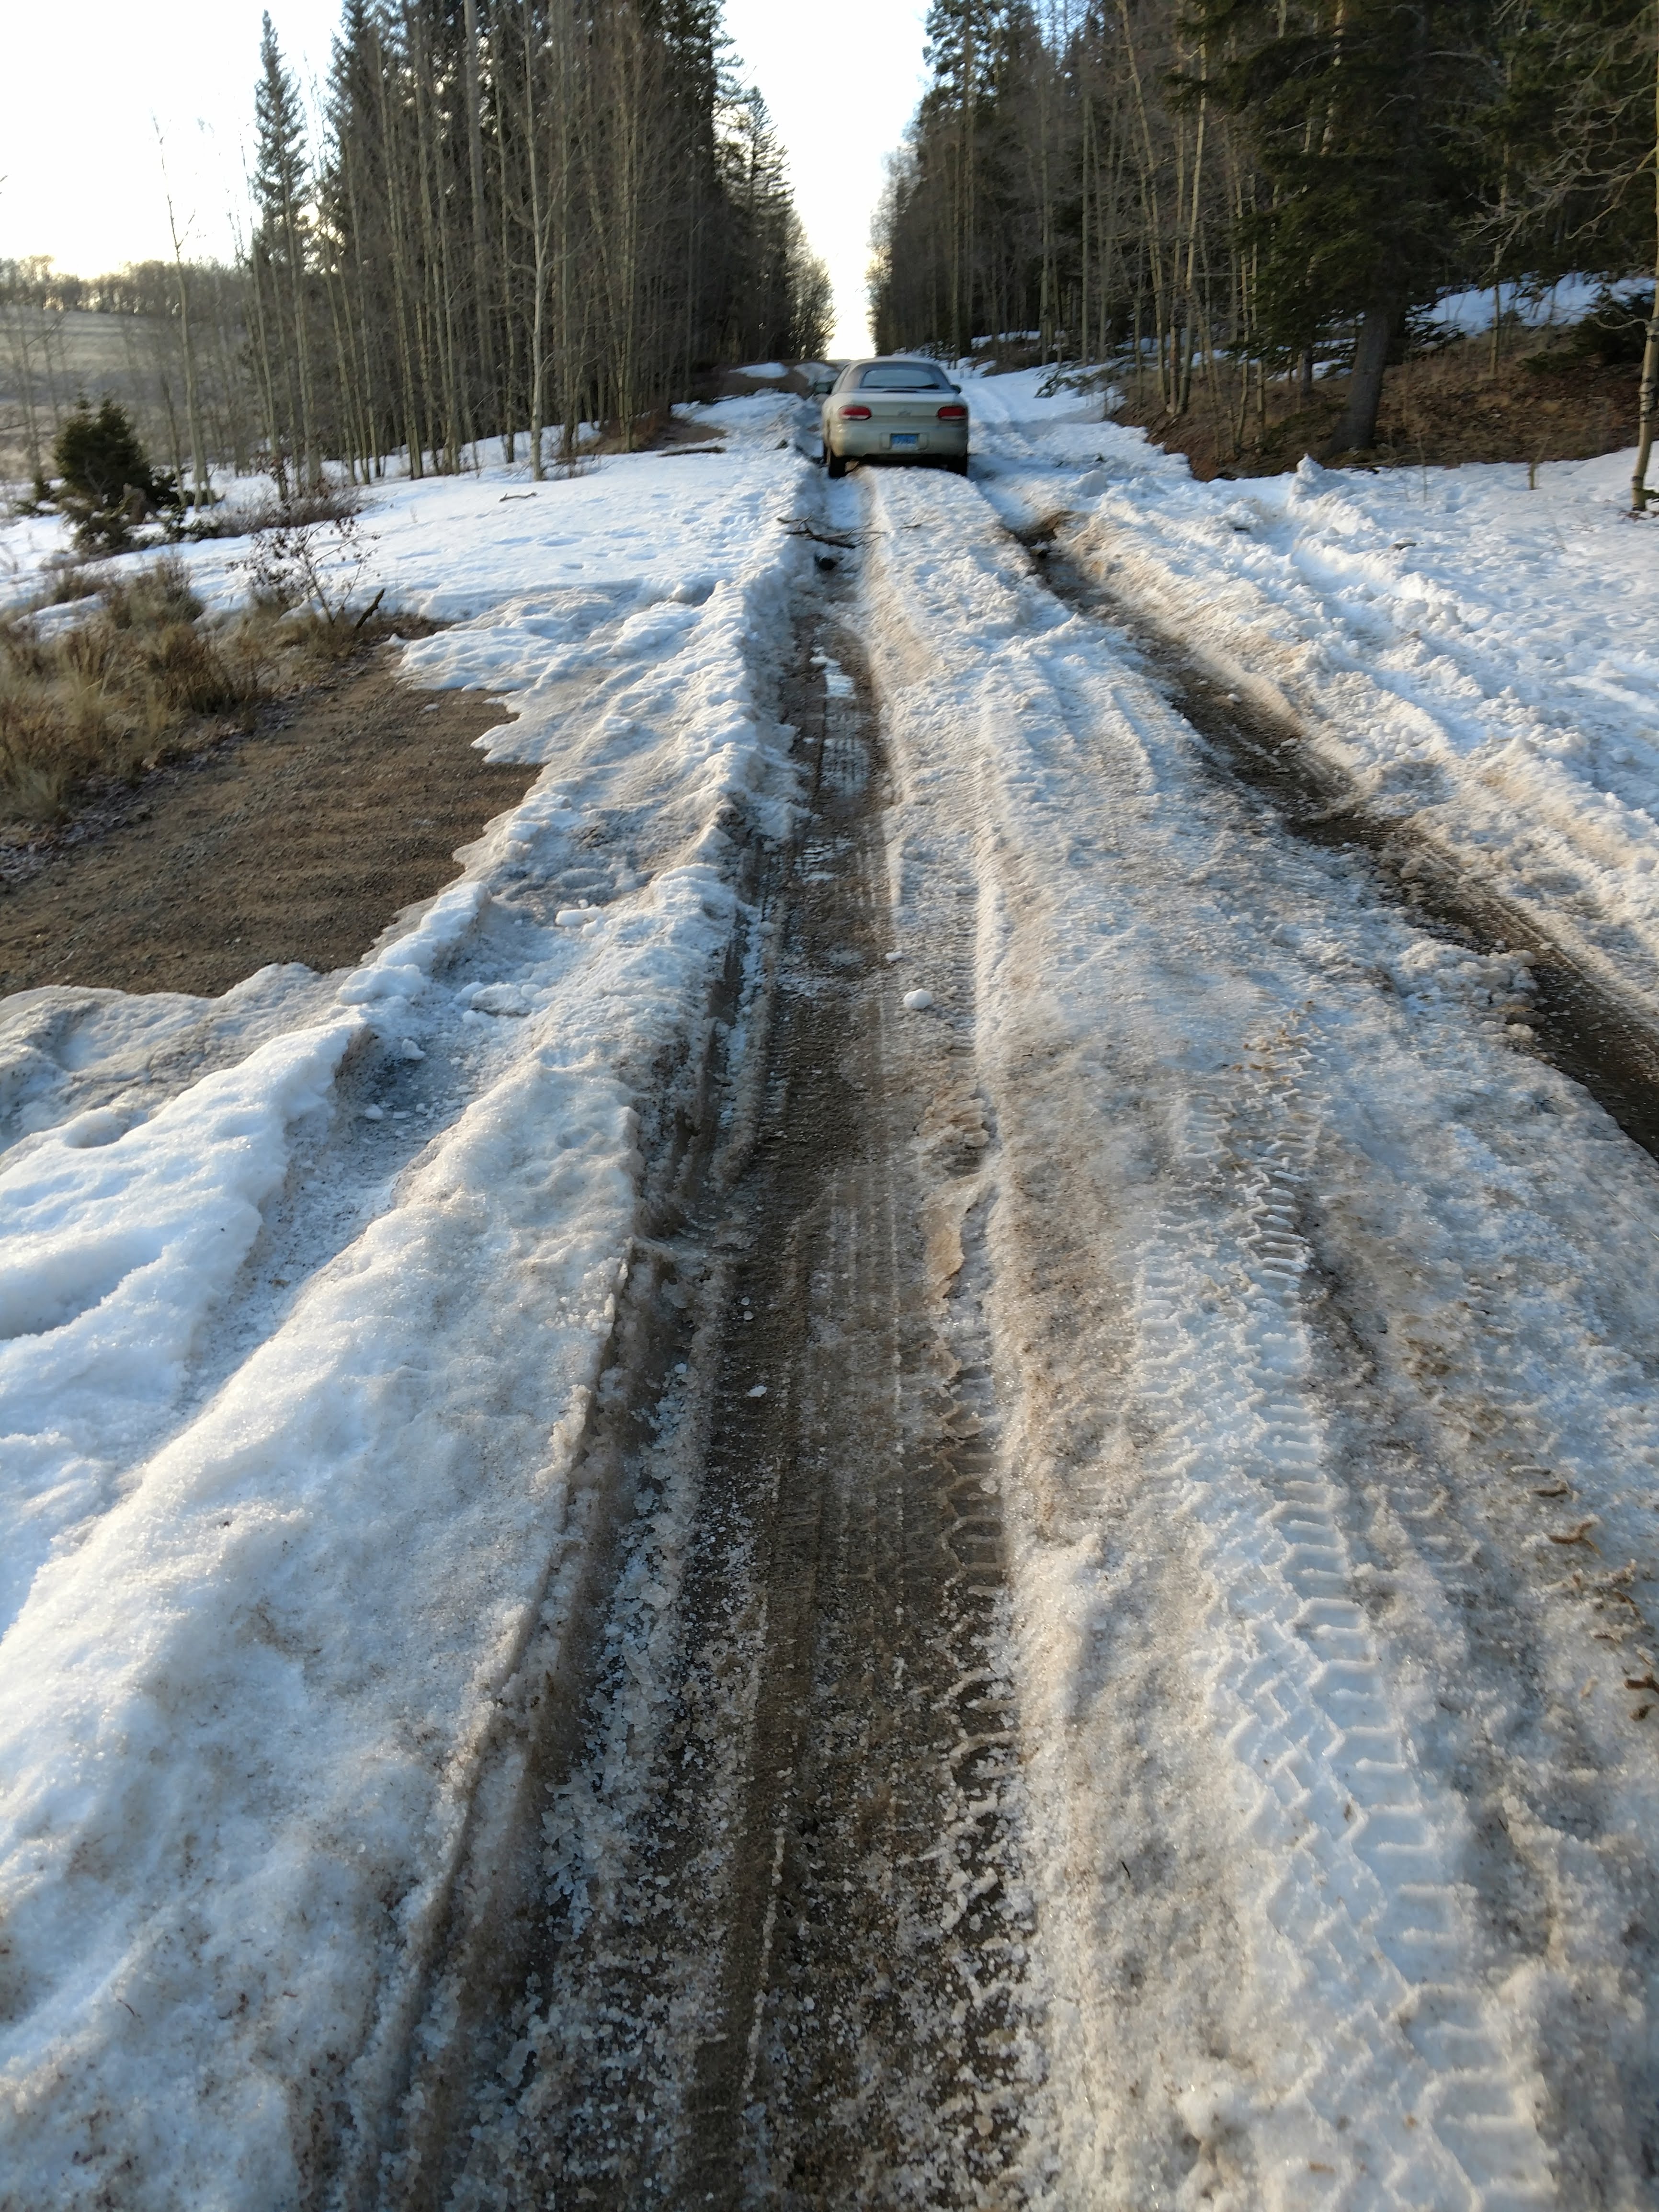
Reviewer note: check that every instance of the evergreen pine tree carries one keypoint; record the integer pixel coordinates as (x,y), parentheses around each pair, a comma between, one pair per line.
(281,190)
(1364,116)
(108,480)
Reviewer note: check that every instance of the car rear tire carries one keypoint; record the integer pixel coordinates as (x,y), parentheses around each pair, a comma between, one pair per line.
(959,465)
(835,463)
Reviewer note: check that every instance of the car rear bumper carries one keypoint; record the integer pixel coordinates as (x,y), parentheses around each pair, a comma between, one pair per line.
(874,442)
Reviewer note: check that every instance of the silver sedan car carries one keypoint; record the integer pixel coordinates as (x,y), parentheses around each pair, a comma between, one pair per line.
(898,408)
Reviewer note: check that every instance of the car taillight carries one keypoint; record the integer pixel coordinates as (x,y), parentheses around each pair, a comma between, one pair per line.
(859,414)
(953,414)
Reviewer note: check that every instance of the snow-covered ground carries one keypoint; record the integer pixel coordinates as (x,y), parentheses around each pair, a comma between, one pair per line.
(1567,300)
(296,1357)
(1322,1319)
(1325,1323)
(1474,653)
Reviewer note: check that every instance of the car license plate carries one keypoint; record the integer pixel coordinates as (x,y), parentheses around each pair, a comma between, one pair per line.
(905,438)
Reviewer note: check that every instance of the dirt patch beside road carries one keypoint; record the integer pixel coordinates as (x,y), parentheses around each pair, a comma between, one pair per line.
(301,841)
(1439,411)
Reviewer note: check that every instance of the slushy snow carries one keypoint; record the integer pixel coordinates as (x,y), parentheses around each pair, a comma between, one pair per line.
(1322,1315)
(295,1359)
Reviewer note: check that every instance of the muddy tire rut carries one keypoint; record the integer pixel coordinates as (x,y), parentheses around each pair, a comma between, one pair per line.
(1594,1031)
(778,1951)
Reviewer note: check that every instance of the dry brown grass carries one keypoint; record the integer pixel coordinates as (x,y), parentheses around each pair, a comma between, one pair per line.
(300,510)
(143,678)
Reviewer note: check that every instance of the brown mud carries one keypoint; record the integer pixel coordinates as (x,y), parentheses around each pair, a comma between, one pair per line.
(1439,411)
(299,841)
(778,1957)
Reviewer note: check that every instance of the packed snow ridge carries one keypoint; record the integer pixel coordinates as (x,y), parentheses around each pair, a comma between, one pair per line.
(1322,1318)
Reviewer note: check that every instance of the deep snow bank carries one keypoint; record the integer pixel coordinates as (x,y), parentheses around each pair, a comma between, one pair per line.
(1322,1321)
(273,1543)
(1475,653)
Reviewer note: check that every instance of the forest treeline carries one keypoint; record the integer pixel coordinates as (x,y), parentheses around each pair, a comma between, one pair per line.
(520,215)
(1231,191)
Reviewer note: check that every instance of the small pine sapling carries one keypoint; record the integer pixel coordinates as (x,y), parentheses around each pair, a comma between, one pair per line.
(108,486)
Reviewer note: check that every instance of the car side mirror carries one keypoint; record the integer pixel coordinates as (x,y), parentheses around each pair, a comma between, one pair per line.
(821,387)
(955,387)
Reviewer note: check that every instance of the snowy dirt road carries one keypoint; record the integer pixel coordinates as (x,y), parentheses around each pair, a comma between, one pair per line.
(1177,1234)
(786,1958)
(957,1505)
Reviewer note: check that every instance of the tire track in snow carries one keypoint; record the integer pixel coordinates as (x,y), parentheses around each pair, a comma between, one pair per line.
(1409,2081)
(1445,1431)
(1412,2096)
(783,1956)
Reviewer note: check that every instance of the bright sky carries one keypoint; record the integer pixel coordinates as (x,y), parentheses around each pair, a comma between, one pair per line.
(84,183)
(841,78)
(82,180)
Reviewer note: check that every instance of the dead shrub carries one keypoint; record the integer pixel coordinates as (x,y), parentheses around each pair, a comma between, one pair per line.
(188,674)
(299,510)
(145,675)
(72,578)
(159,592)
(311,571)
(140,681)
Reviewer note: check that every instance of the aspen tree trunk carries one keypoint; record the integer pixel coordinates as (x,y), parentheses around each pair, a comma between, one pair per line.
(1082,218)
(1154,252)
(1110,250)
(1184,395)
(364,361)
(310,461)
(572,350)
(234,426)
(200,492)
(1649,401)
(627,120)
(23,369)
(539,243)
(442,368)
(164,384)
(413,439)
(350,394)
(484,321)
(192,409)
(267,377)
(509,397)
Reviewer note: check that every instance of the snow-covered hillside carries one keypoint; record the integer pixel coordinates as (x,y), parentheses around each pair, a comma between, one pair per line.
(1310,1308)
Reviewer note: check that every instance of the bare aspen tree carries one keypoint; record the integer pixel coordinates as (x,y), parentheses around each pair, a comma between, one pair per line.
(198,476)
(1649,399)
(517,213)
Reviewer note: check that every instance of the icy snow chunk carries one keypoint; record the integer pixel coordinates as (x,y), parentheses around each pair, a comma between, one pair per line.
(1216,2108)
(917,1002)
(501,998)
(759,1391)
(116,1252)
(89,1131)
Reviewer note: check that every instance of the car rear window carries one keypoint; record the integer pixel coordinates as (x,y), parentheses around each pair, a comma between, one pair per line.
(903,376)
